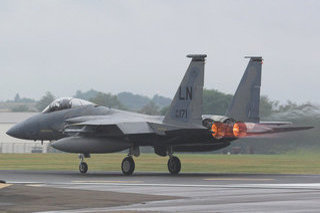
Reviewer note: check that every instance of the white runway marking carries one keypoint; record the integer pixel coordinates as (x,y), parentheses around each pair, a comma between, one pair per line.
(106,181)
(36,185)
(241,179)
(315,186)
(24,182)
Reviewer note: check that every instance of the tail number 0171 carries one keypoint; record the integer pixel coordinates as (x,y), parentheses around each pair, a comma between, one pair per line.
(181,113)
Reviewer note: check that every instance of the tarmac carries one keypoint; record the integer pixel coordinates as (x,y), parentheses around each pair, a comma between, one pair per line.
(61,191)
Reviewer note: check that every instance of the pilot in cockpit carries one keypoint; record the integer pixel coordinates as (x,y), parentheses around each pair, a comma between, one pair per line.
(65,103)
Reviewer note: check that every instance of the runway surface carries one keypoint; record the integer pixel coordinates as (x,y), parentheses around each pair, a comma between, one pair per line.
(182,193)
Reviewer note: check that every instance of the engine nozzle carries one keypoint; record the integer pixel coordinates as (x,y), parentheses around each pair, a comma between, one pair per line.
(239,129)
(228,130)
(217,130)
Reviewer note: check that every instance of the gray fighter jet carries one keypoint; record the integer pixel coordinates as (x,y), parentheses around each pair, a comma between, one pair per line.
(78,126)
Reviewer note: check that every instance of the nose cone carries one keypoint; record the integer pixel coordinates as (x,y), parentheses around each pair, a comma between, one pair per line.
(27,129)
(17,131)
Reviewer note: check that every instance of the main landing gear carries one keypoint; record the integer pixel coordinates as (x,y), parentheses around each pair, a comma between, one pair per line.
(174,165)
(83,166)
(128,165)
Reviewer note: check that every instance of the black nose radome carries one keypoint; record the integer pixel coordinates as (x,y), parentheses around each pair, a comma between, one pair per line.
(27,129)
(15,131)
(22,130)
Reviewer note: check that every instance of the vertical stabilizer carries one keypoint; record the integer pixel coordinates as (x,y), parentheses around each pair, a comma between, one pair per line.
(245,103)
(186,107)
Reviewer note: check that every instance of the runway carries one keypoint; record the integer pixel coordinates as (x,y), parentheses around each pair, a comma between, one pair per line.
(161,192)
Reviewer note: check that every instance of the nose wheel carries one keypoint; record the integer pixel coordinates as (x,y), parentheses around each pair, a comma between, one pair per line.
(174,165)
(127,165)
(83,167)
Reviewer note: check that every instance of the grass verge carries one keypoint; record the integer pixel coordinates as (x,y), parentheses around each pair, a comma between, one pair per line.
(291,163)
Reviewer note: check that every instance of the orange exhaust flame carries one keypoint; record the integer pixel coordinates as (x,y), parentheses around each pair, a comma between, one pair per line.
(239,129)
(214,130)
(217,130)
(221,130)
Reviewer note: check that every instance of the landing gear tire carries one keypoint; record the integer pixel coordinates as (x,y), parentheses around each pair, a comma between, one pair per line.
(174,165)
(83,167)
(127,166)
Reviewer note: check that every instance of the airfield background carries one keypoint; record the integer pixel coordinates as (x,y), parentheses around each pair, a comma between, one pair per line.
(215,102)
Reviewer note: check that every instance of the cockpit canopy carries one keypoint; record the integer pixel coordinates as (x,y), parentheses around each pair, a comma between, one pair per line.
(65,103)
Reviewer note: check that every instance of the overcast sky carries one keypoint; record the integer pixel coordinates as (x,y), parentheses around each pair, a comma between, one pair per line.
(140,46)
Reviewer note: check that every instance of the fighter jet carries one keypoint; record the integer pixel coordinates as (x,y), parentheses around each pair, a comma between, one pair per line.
(79,126)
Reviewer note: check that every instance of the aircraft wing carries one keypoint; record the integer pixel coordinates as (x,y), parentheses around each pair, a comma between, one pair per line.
(109,126)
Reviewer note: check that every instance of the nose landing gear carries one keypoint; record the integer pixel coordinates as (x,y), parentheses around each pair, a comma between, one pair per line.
(83,166)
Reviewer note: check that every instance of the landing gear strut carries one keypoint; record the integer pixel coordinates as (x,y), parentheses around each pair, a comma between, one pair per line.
(83,166)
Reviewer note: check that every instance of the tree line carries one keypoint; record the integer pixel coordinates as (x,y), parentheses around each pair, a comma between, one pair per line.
(214,102)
